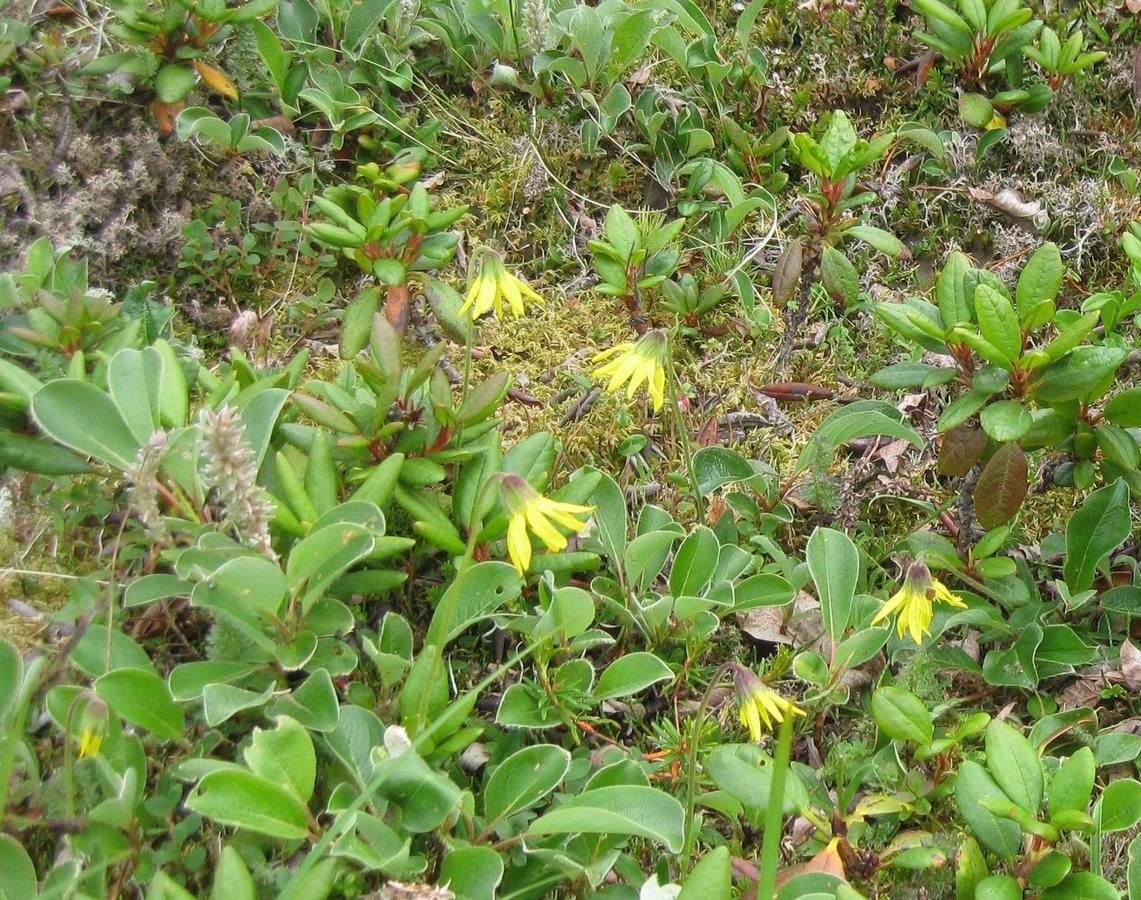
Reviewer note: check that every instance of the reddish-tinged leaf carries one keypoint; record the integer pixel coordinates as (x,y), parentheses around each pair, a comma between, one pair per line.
(166,113)
(216,80)
(707,437)
(1001,486)
(962,447)
(1137,74)
(786,274)
(796,390)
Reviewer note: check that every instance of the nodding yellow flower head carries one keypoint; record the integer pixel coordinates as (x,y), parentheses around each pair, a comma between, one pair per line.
(637,362)
(92,726)
(491,284)
(914,602)
(760,706)
(528,510)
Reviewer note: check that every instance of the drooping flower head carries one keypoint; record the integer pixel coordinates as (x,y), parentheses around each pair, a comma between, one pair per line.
(635,363)
(759,705)
(92,725)
(491,284)
(914,602)
(528,510)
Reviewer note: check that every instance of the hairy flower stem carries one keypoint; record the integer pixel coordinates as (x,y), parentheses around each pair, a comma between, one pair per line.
(774,813)
(682,429)
(691,768)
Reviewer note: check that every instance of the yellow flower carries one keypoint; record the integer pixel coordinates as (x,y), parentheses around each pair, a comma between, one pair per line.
(638,362)
(760,706)
(915,601)
(491,284)
(527,509)
(92,726)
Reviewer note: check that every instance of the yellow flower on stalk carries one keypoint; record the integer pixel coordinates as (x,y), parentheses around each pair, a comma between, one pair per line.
(760,706)
(491,284)
(914,602)
(92,726)
(637,362)
(528,510)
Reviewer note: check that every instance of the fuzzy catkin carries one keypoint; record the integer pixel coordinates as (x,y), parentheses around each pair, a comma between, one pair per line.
(229,469)
(142,475)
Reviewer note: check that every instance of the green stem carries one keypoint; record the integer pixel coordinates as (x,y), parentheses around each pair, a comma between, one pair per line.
(29,686)
(774,814)
(691,769)
(682,430)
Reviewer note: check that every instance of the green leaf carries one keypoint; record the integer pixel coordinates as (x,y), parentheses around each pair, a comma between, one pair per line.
(103,650)
(134,378)
(630,674)
(1001,487)
(1081,886)
(1118,446)
(232,879)
(1001,836)
(837,140)
(715,467)
(477,593)
(389,271)
(472,873)
(609,529)
(1050,870)
(142,698)
(1073,783)
(1070,336)
(711,878)
(1124,408)
(80,416)
(1100,525)
(240,798)
(694,563)
(1119,805)
(881,240)
(622,233)
(523,779)
(631,810)
(857,419)
(834,563)
(839,277)
(1014,765)
(322,556)
(221,702)
(900,376)
(1041,278)
(998,887)
(11,678)
(313,703)
(976,110)
(426,797)
(284,755)
(998,322)
(17,874)
(1006,420)
(174,82)
(1083,374)
(901,715)
(1134,870)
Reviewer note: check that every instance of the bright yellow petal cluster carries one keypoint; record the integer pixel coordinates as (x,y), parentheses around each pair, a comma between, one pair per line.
(914,602)
(635,363)
(89,743)
(760,706)
(493,284)
(528,510)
